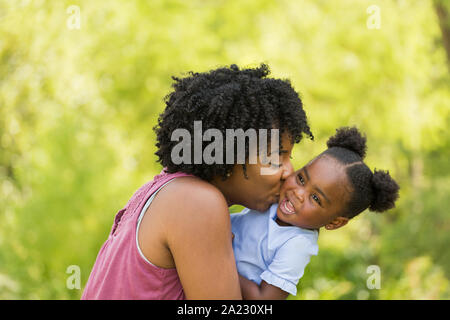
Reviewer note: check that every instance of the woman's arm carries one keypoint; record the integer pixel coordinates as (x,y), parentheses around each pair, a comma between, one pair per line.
(251,291)
(198,237)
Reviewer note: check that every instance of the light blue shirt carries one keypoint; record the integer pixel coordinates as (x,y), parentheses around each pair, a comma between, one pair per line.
(266,251)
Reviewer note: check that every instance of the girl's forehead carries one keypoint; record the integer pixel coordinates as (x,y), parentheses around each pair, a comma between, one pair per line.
(327,173)
(330,174)
(323,162)
(325,166)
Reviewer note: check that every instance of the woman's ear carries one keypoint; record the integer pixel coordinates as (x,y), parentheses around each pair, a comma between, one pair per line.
(336,223)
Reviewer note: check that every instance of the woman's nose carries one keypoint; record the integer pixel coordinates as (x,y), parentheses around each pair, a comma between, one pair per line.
(288,169)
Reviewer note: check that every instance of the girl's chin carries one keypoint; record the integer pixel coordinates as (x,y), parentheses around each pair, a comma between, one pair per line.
(281,221)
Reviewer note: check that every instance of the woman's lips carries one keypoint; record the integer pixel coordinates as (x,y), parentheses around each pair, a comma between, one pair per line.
(287,207)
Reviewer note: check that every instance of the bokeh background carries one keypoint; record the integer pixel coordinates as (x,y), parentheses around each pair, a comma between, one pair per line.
(79,99)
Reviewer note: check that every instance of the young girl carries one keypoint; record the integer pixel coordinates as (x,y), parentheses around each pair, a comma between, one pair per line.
(273,248)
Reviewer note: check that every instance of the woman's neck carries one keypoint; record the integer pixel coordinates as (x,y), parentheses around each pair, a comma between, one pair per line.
(223,186)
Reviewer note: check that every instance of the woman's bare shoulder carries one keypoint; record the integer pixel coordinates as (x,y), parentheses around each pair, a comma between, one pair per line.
(197,233)
(190,206)
(182,211)
(188,203)
(195,192)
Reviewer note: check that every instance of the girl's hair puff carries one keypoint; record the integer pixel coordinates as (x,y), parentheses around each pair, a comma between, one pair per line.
(376,190)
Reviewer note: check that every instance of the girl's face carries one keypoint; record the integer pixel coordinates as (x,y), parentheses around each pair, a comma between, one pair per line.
(259,191)
(315,195)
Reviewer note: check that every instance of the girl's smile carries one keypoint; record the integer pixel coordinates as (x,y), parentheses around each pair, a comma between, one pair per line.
(287,207)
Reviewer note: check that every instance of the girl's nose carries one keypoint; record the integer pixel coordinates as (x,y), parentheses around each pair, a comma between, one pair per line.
(300,194)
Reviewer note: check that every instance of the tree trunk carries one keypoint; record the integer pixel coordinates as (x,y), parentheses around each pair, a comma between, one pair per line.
(443,13)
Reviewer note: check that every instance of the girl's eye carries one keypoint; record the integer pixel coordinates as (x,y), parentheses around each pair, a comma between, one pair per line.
(301,179)
(316,198)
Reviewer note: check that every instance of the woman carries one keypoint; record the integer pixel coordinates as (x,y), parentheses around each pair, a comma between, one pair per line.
(173,238)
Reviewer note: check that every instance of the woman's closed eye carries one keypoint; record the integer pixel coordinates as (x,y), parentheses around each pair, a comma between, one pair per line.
(276,165)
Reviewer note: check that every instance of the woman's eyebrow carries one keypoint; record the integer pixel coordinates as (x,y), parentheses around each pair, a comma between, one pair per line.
(279,151)
(315,187)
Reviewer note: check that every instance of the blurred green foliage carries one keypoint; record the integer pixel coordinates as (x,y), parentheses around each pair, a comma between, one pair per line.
(77,108)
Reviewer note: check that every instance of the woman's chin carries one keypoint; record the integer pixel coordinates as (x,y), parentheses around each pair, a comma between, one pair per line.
(261,206)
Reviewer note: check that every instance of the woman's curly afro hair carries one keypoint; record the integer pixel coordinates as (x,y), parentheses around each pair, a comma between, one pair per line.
(374,190)
(227,98)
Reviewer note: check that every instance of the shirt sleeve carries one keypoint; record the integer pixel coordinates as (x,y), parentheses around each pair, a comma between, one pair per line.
(288,264)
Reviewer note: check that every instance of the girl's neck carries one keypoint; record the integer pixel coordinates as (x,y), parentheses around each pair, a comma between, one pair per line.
(282,223)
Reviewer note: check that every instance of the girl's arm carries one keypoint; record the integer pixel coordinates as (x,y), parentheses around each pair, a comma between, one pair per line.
(251,291)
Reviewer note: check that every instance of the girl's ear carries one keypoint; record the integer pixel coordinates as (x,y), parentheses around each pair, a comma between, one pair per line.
(336,223)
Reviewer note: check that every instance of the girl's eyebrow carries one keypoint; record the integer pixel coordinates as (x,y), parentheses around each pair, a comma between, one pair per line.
(315,187)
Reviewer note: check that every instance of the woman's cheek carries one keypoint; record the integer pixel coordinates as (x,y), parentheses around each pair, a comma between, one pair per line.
(275,179)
